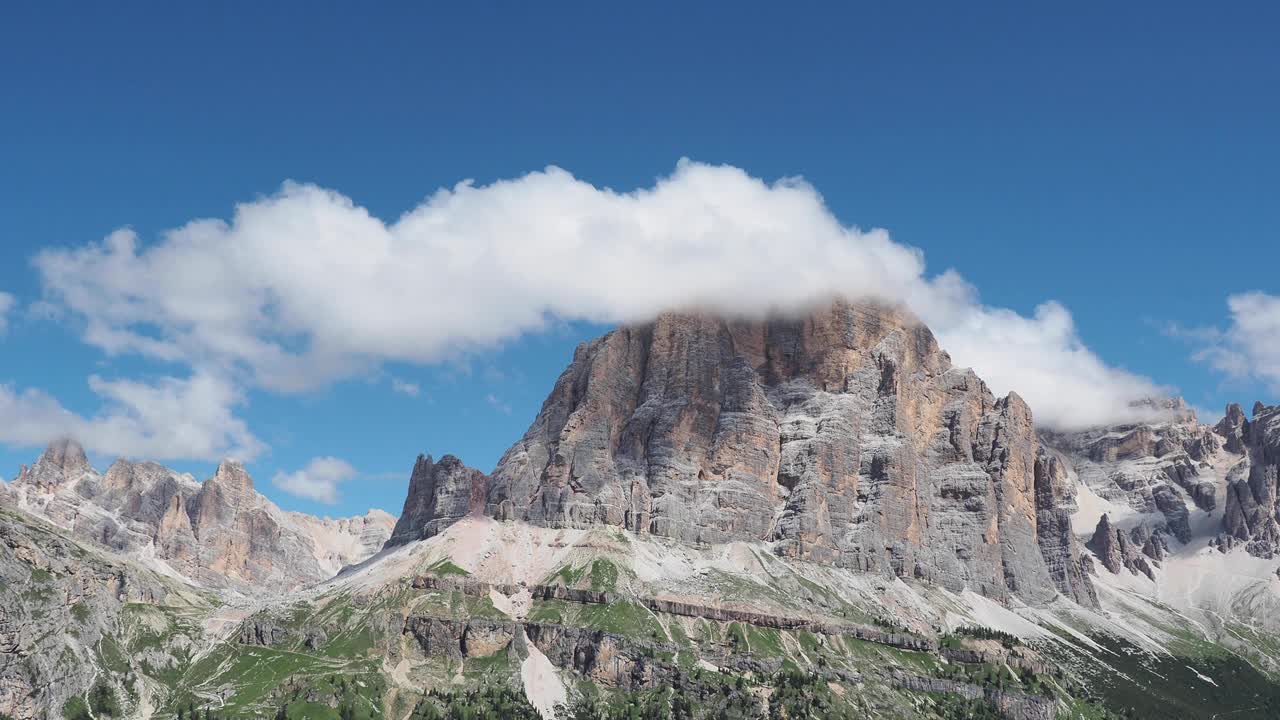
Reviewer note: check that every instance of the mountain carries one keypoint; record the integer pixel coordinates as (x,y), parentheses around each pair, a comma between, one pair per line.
(710,517)
(845,437)
(220,533)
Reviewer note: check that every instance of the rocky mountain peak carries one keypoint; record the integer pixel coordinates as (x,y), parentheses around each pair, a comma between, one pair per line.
(440,493)
(67,454)
(841,436)
(232,476)
(128,475)
(1162,409)
(1232,427)
(224,496)
(1120,550)
(63,461)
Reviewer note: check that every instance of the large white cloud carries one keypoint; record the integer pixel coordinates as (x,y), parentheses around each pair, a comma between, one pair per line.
(304,287)
(1250,346)
(172,418)
(317,481)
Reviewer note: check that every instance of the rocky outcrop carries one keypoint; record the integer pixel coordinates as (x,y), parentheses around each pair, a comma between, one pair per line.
(605,658)
(1233,427)
(610,660)
(1054,532)
(265,632)
(1117,551)
(1251,515)
(1014,706)
(440,494)
(682,608)
(841,437)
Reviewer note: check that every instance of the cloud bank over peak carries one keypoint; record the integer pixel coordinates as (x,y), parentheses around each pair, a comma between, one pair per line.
(305,287)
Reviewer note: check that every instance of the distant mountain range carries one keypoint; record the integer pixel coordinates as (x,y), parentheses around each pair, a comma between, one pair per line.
(813,516)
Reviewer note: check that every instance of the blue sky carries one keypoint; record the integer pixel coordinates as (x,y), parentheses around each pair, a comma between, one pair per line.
(1124,162)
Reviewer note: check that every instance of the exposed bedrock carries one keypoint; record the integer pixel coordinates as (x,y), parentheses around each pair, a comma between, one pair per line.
(844,436)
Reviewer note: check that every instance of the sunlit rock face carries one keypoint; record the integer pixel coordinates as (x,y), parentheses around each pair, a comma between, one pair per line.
(843,436)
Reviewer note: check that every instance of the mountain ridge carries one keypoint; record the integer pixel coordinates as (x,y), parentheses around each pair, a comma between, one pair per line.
(706,513)
(220,533)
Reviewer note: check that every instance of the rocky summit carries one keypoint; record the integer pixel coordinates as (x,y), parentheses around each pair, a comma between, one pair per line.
(844,437)
(798,516)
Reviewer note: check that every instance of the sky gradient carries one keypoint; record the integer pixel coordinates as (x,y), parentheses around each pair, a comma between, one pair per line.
(1123,162)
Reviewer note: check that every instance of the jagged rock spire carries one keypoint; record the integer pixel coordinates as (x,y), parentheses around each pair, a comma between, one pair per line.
(1232,427)
(440,493)
(63,461)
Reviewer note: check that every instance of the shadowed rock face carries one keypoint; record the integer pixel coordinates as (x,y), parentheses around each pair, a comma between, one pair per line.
(1117,549)
(1252,510)
(440,494)
(842,437)
(1054,530)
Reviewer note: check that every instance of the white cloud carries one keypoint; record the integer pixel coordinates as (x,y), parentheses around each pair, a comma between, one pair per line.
(1043,359)
(172,418)
(498,404)
(304,287)
(6,304)
(404,387)
(1250,346)
(317,481)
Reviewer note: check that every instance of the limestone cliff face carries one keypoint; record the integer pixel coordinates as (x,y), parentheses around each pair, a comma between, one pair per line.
(242,539)
(1054,531)
(1252,509)
(841,437)
(440,493)
(58,601)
